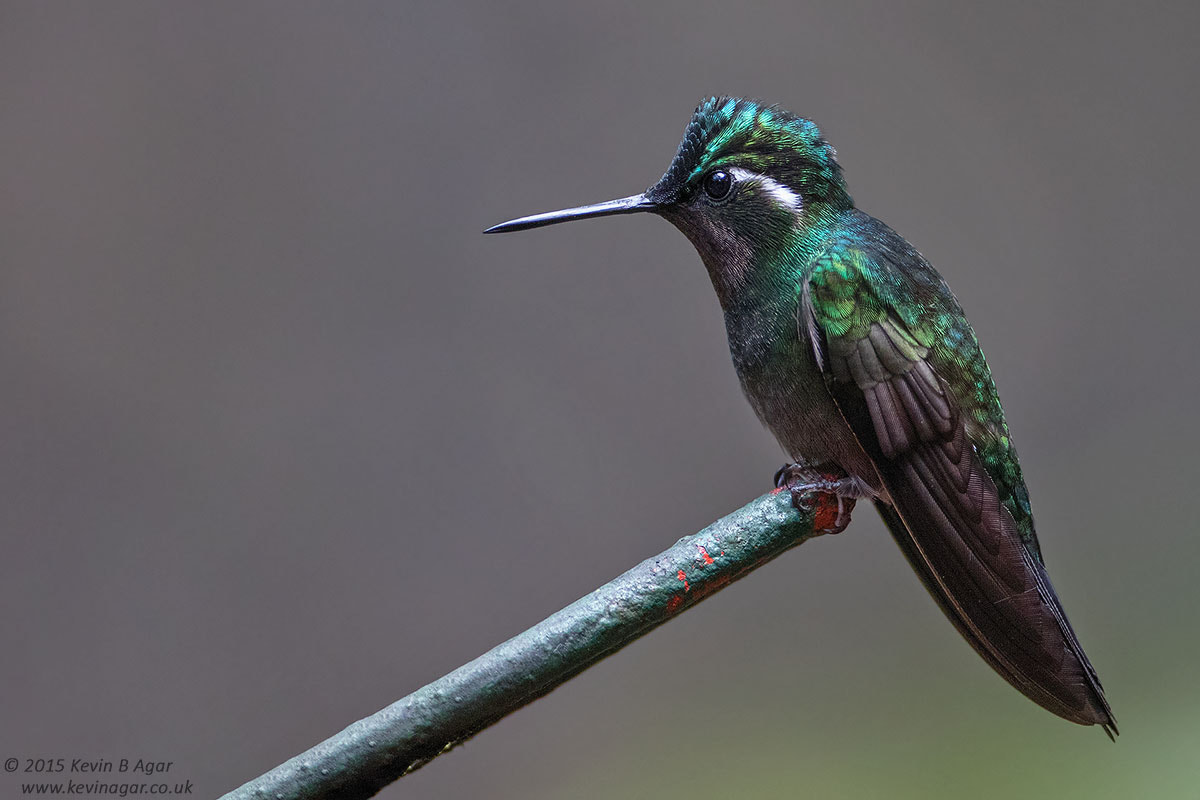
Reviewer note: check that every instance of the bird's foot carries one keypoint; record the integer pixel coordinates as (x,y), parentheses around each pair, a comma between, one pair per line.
(825,491)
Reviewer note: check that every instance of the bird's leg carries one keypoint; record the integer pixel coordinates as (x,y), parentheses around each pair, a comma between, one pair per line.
(809,484)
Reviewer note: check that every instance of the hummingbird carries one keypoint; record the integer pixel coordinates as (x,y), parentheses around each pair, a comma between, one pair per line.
(858,358)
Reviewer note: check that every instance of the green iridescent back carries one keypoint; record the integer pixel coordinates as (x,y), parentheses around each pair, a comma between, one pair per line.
(861,285)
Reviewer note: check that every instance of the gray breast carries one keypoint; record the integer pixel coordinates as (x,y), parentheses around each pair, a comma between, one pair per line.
(779,373)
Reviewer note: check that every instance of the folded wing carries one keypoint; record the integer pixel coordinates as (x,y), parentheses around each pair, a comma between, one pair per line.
(911,390)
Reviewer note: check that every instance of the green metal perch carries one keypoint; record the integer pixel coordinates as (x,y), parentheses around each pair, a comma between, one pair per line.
(411,732)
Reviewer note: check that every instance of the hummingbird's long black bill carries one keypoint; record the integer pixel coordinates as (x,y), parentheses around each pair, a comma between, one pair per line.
(624,205)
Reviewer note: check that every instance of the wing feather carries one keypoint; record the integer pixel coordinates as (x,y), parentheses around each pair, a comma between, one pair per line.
(893,379)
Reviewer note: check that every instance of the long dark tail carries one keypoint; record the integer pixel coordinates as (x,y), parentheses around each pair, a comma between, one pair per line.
(1045,661)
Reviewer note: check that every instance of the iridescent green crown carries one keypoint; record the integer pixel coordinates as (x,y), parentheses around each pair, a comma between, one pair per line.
(733,132)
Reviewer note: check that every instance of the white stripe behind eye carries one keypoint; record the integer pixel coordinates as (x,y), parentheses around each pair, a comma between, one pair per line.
(776,190)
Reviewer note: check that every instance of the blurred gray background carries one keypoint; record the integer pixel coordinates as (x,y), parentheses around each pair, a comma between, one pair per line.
(283,437)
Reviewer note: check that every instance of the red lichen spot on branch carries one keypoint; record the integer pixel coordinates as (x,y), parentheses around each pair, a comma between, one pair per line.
(683,578)
(674,603)
(826,513)
(704,554)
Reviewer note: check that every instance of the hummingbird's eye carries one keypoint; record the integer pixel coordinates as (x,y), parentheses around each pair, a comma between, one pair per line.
(717,184)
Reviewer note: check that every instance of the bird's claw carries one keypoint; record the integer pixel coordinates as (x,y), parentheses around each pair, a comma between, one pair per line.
(825,492)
